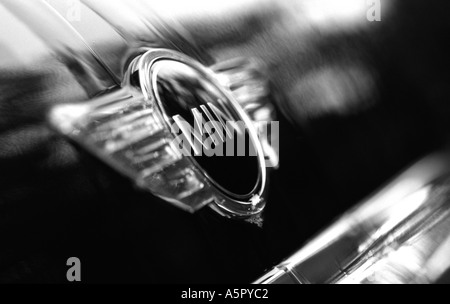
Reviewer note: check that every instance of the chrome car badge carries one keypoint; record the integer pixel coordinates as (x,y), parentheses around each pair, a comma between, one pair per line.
(176,131)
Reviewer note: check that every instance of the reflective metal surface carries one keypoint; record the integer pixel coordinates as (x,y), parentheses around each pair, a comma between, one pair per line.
(398,236)
(95,49)
(50,57)
(183,94)
(248,79)
(97,52)
(133,130)
(363,100)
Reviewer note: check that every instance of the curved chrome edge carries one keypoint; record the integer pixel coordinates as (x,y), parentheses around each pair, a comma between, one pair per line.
(128,131)
(247,79)
(399,235)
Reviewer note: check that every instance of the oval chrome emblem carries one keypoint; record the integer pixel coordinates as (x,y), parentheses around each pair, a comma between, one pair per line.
(176,132)
(207,127)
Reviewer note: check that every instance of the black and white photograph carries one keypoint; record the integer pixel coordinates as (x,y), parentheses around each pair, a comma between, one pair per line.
(206,144)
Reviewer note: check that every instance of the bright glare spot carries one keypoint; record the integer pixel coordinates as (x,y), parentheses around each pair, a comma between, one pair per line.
(325,12)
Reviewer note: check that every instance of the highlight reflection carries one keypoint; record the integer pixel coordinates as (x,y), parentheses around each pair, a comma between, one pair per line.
(398,236)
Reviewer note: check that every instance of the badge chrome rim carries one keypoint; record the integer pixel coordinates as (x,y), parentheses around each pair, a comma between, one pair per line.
(228,202)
